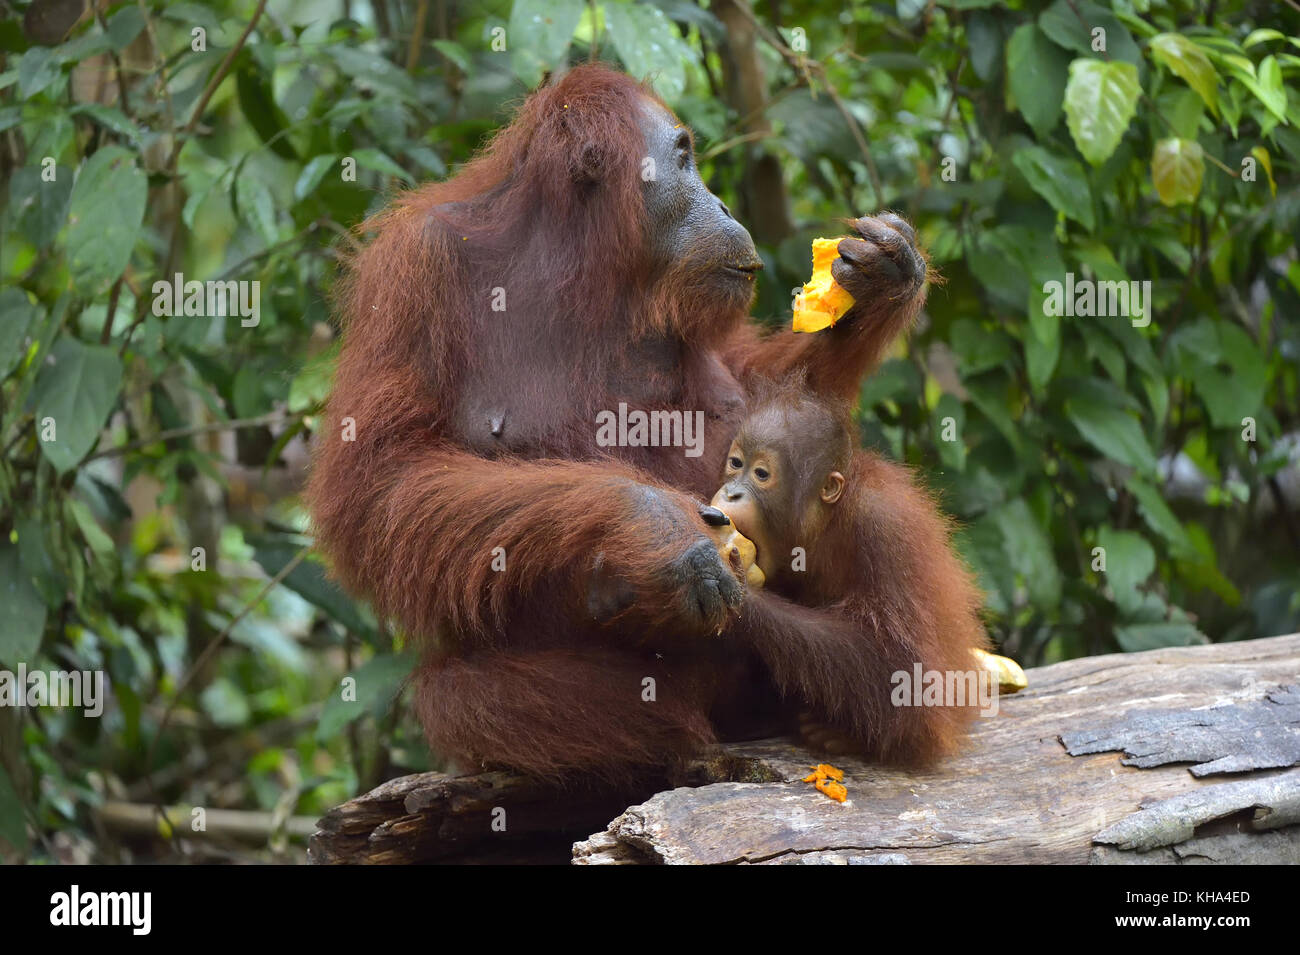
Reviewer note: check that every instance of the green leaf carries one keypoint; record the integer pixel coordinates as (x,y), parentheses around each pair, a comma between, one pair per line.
(308,580)
(1154,510)
(1225,366)
(378,682)
(1042,348)
(37,69)
(40,208)
(1113,432)
(77,388)
(312,174)
(984,35)
(1036,71)
(257,208)
(1059,180)
(1073,25)
(1262,35)
(1262,157)
(1155,636)
(1130,560)
(104,216)
(109,117)
(124,26)
(381,162)
(1100,100)
(1185,59)
(1029,551)
(454,52)
(20,637)
(1267,86)
(19,315)
(1177,167)
(649,46)
(100,544)
(539,33)
(259,107)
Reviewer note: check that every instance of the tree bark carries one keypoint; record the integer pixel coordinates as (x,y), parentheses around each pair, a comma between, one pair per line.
(1183,755)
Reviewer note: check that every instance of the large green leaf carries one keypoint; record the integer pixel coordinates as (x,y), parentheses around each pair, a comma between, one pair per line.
(1036,72)
(1029,551)
(1100,100)
(77,388)
(378,682)
(20,636)
(1130,560)
(308,580)
(1266,84)
(1059,180)
(1089,29)
(649,45)
(104,218)
(1177,166)
(37,69)
(1114,432)
(1189,62)
(538,35)
(985,35)
(1225,366)
(259,107)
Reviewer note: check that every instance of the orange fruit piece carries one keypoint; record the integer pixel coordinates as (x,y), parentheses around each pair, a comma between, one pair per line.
(822,302)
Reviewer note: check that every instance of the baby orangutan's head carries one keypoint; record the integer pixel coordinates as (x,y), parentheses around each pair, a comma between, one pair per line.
(785,472)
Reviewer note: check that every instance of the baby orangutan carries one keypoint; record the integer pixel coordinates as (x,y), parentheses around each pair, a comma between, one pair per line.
(840,528)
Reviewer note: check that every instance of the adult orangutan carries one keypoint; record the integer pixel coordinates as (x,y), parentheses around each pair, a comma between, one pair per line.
(578,618)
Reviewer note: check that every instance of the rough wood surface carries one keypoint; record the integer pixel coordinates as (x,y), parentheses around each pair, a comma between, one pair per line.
(1014,795)
(1223,739)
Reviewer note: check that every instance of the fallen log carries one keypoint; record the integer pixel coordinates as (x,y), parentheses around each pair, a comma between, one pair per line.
(1089,764)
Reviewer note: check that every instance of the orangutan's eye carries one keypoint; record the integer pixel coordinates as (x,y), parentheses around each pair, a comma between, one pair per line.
(762,474)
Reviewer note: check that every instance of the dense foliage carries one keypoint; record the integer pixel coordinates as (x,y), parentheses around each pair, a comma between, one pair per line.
(1120,480)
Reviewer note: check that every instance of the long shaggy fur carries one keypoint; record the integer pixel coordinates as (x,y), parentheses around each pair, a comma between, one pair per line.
(411,496)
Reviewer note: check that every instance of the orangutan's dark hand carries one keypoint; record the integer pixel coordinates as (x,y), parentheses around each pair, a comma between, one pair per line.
(884,266)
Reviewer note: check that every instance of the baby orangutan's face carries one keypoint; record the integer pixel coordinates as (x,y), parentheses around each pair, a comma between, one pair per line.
(762,495)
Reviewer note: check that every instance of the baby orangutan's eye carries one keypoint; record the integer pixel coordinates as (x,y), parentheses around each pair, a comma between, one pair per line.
(735,463)
(762,474)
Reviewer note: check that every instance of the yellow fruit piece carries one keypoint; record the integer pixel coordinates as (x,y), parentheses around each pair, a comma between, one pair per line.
(739,551)
(822,302)
(827,779)
(836,791)
(1011,678)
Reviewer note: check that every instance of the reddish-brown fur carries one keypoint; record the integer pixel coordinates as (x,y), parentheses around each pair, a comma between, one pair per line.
(409,513)
(884,568)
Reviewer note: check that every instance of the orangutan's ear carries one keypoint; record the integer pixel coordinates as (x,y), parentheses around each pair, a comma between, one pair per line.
(833,487)
(587,165)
